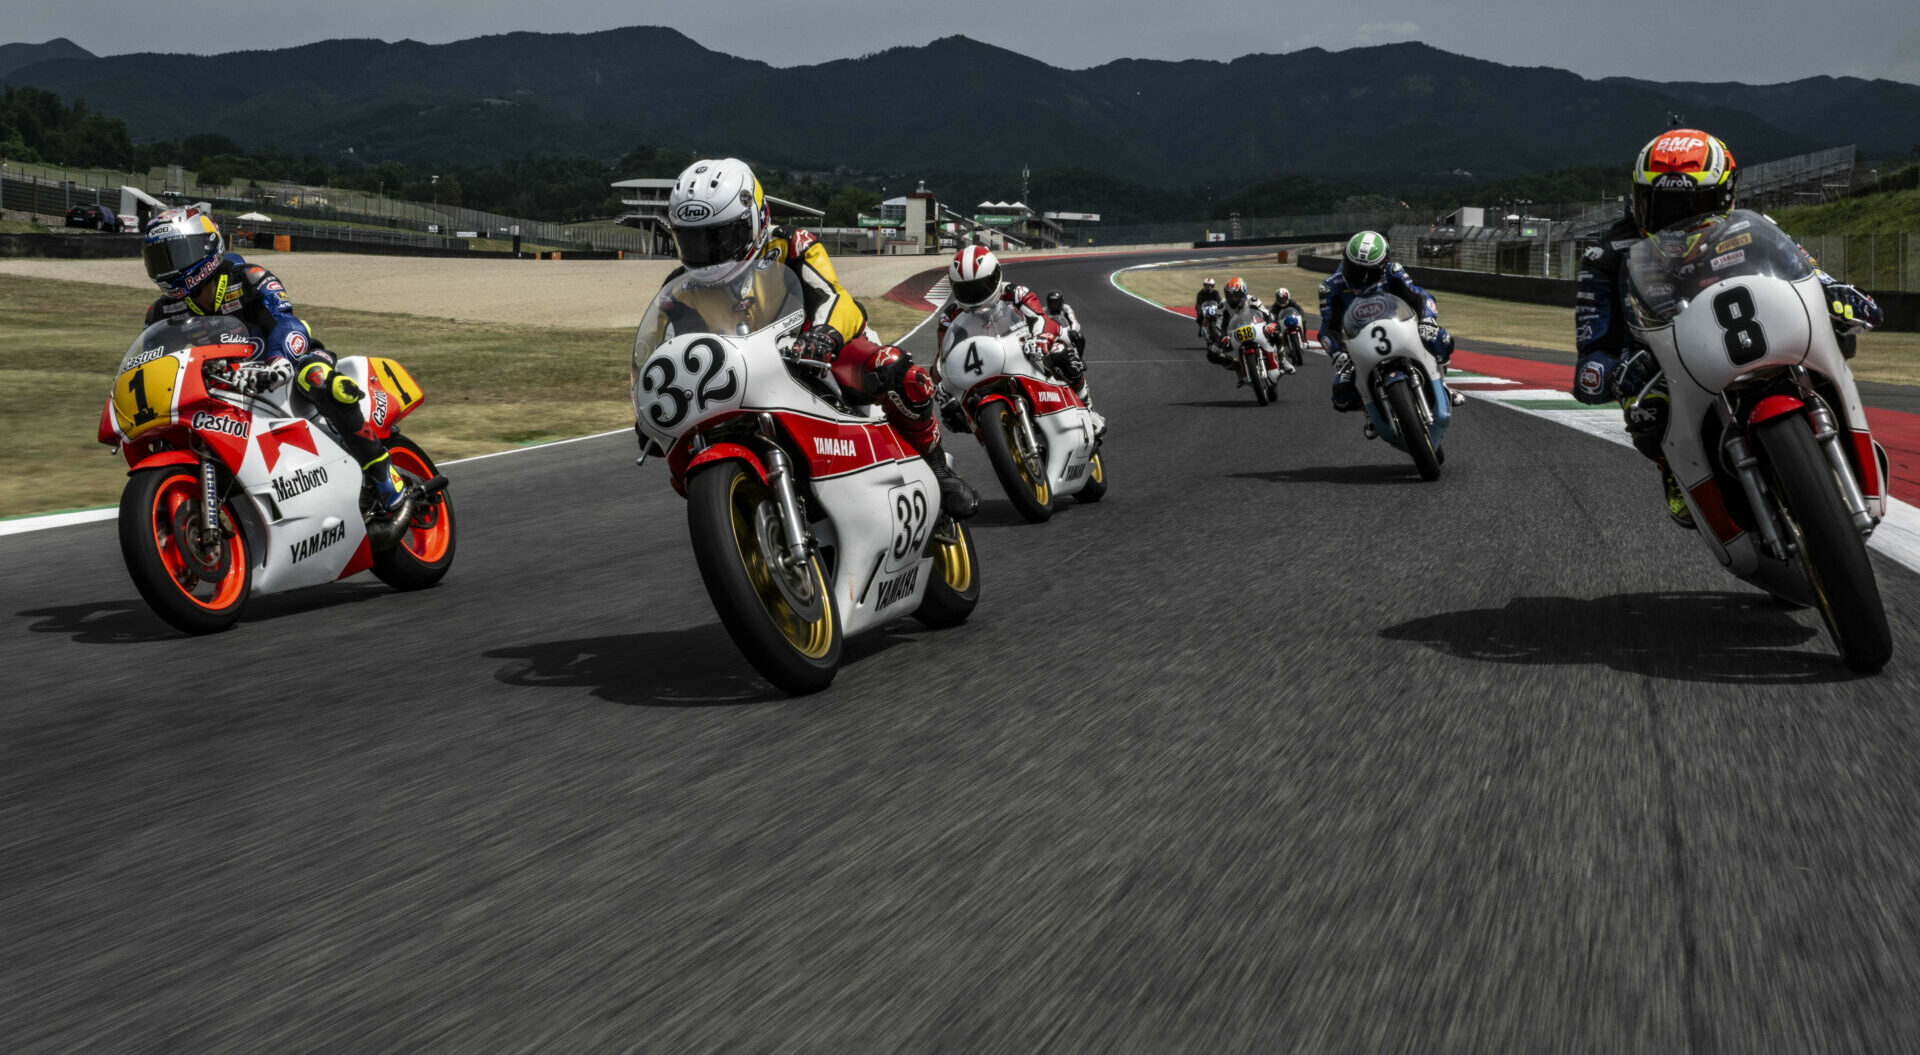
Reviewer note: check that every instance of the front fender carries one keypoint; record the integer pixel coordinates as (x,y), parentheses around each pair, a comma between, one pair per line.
(164,458)
(719,452)
(980,407)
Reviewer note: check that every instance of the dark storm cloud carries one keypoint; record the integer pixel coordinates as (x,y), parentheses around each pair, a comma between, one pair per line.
(1757,41)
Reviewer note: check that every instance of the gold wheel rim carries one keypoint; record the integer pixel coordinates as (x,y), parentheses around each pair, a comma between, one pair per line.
(1037,488)
(1099,473)
(811,638)
(956,567)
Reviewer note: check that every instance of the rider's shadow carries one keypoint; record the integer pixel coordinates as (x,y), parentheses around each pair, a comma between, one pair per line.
(131,622)
(1729,638)
(695,667)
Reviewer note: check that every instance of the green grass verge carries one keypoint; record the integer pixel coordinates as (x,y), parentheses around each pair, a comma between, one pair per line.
(1891,358)
(489,387)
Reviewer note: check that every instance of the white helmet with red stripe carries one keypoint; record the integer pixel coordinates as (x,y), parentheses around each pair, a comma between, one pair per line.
(974,276)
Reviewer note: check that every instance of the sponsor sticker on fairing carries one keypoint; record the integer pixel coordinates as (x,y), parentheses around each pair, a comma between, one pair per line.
(1733,243)
(1726,260)
(379,407)
(205,422)
(141,358)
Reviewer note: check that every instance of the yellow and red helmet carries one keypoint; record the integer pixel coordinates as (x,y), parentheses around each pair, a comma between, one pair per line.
(1680,174)
(1236,292)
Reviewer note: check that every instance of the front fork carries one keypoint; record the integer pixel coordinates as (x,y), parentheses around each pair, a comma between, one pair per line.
(209,505)
(780,478)
(1029,441)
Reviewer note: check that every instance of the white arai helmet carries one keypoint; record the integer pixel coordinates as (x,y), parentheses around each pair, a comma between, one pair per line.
(719,217)
(974,276)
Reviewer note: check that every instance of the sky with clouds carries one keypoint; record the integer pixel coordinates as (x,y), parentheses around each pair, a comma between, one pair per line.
(1756,41)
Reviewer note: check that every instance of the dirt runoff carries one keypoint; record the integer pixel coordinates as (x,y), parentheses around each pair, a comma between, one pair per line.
(582,294)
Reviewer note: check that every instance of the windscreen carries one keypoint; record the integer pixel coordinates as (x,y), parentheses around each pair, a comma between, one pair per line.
(1371,309)
(183,332)
(1670,268)
(767,295)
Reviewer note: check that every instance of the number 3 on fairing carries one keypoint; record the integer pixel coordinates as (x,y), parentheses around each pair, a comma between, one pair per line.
(1744,339)
(705,393)
(910,522)
(1379,333)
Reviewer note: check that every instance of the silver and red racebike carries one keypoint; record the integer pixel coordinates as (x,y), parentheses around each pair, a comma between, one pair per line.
(811,518)
(1042,441)
(1765,432)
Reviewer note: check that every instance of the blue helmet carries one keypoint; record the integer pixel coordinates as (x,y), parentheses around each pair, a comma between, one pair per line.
(182,249)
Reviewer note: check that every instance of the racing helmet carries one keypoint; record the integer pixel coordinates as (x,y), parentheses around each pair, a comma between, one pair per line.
(1365,262)
(1236,293)
(719,218)
(1282,298)
(182,249)
(974,276)
(1056,302)
(1208,284)
(1681,173)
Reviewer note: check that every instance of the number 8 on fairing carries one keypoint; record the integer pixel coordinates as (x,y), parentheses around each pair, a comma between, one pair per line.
(1745,341)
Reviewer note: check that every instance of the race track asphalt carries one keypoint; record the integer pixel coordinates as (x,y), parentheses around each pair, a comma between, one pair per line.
(1276,749)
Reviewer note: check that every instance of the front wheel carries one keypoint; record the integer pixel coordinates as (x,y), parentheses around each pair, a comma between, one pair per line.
(775,604)
(1832,552)
(1294,350)
(1030,494)
(196,586)
(1256,372)
(1413,432)
(425,552)
(955,588)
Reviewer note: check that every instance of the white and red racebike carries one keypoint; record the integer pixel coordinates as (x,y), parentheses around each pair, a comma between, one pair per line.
(1765,432)
(1041,440)
(811,518)
(232,492)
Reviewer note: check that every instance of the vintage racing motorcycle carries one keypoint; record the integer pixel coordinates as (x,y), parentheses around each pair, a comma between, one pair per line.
(1257,361)
(1765,430)
(1039,437)
(1400,383)
(811,518)
(233,492)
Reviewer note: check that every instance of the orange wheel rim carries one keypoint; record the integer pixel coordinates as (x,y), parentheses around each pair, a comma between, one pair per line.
(224,593)
(431,531)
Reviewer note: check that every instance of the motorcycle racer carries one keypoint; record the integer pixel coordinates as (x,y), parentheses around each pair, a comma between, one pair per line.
(721,227)
(978,288)
(1238,300)
(1680,174)
(1063,316)
(185,255)
(1364,269)
(1208,294)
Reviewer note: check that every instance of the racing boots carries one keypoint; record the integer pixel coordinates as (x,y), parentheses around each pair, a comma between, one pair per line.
(1677,507)
(958,499)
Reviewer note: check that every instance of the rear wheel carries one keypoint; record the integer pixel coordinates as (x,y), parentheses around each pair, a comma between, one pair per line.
(1096,488)
(775,605)
(1413,432)
(955,588)
(1832,553)
(196,587)
(1030,494)
(425,552)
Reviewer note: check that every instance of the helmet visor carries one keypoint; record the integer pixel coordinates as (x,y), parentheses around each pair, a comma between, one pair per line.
(713,244)
(977,290)
(1662,207)
(168,259)
(1360,276)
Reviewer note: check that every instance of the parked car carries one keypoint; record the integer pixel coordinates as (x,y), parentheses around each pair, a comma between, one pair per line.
(97,217)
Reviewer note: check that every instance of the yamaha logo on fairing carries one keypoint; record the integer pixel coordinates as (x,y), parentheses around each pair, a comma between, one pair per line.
(834,448)
(302,481)
(316,542)
(205,422)
(692,211)
(898,588)
(1049,397)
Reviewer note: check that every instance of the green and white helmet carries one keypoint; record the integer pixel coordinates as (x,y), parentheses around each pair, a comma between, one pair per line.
(1366,259)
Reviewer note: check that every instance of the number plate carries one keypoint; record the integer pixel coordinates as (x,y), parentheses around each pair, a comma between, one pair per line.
(1244,333)
(684,384)
(912,518)
(143,396)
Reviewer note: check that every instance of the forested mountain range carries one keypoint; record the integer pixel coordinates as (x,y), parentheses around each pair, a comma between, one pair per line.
(953,105)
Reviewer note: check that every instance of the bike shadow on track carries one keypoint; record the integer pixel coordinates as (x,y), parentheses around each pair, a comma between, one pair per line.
(1401,473)
(131,622)
(1246,403)
(694,667)
(1728,638)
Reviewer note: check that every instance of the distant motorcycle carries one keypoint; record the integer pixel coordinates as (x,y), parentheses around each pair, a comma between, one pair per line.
(810,517)
(1765,430)
(1293,336)
(1039,437)
(233,492)
(1249,351)
(1210,323)
(1400,383)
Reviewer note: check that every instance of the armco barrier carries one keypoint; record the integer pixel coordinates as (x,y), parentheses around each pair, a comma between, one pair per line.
(70,246)
(1277,239)
(1902,310)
